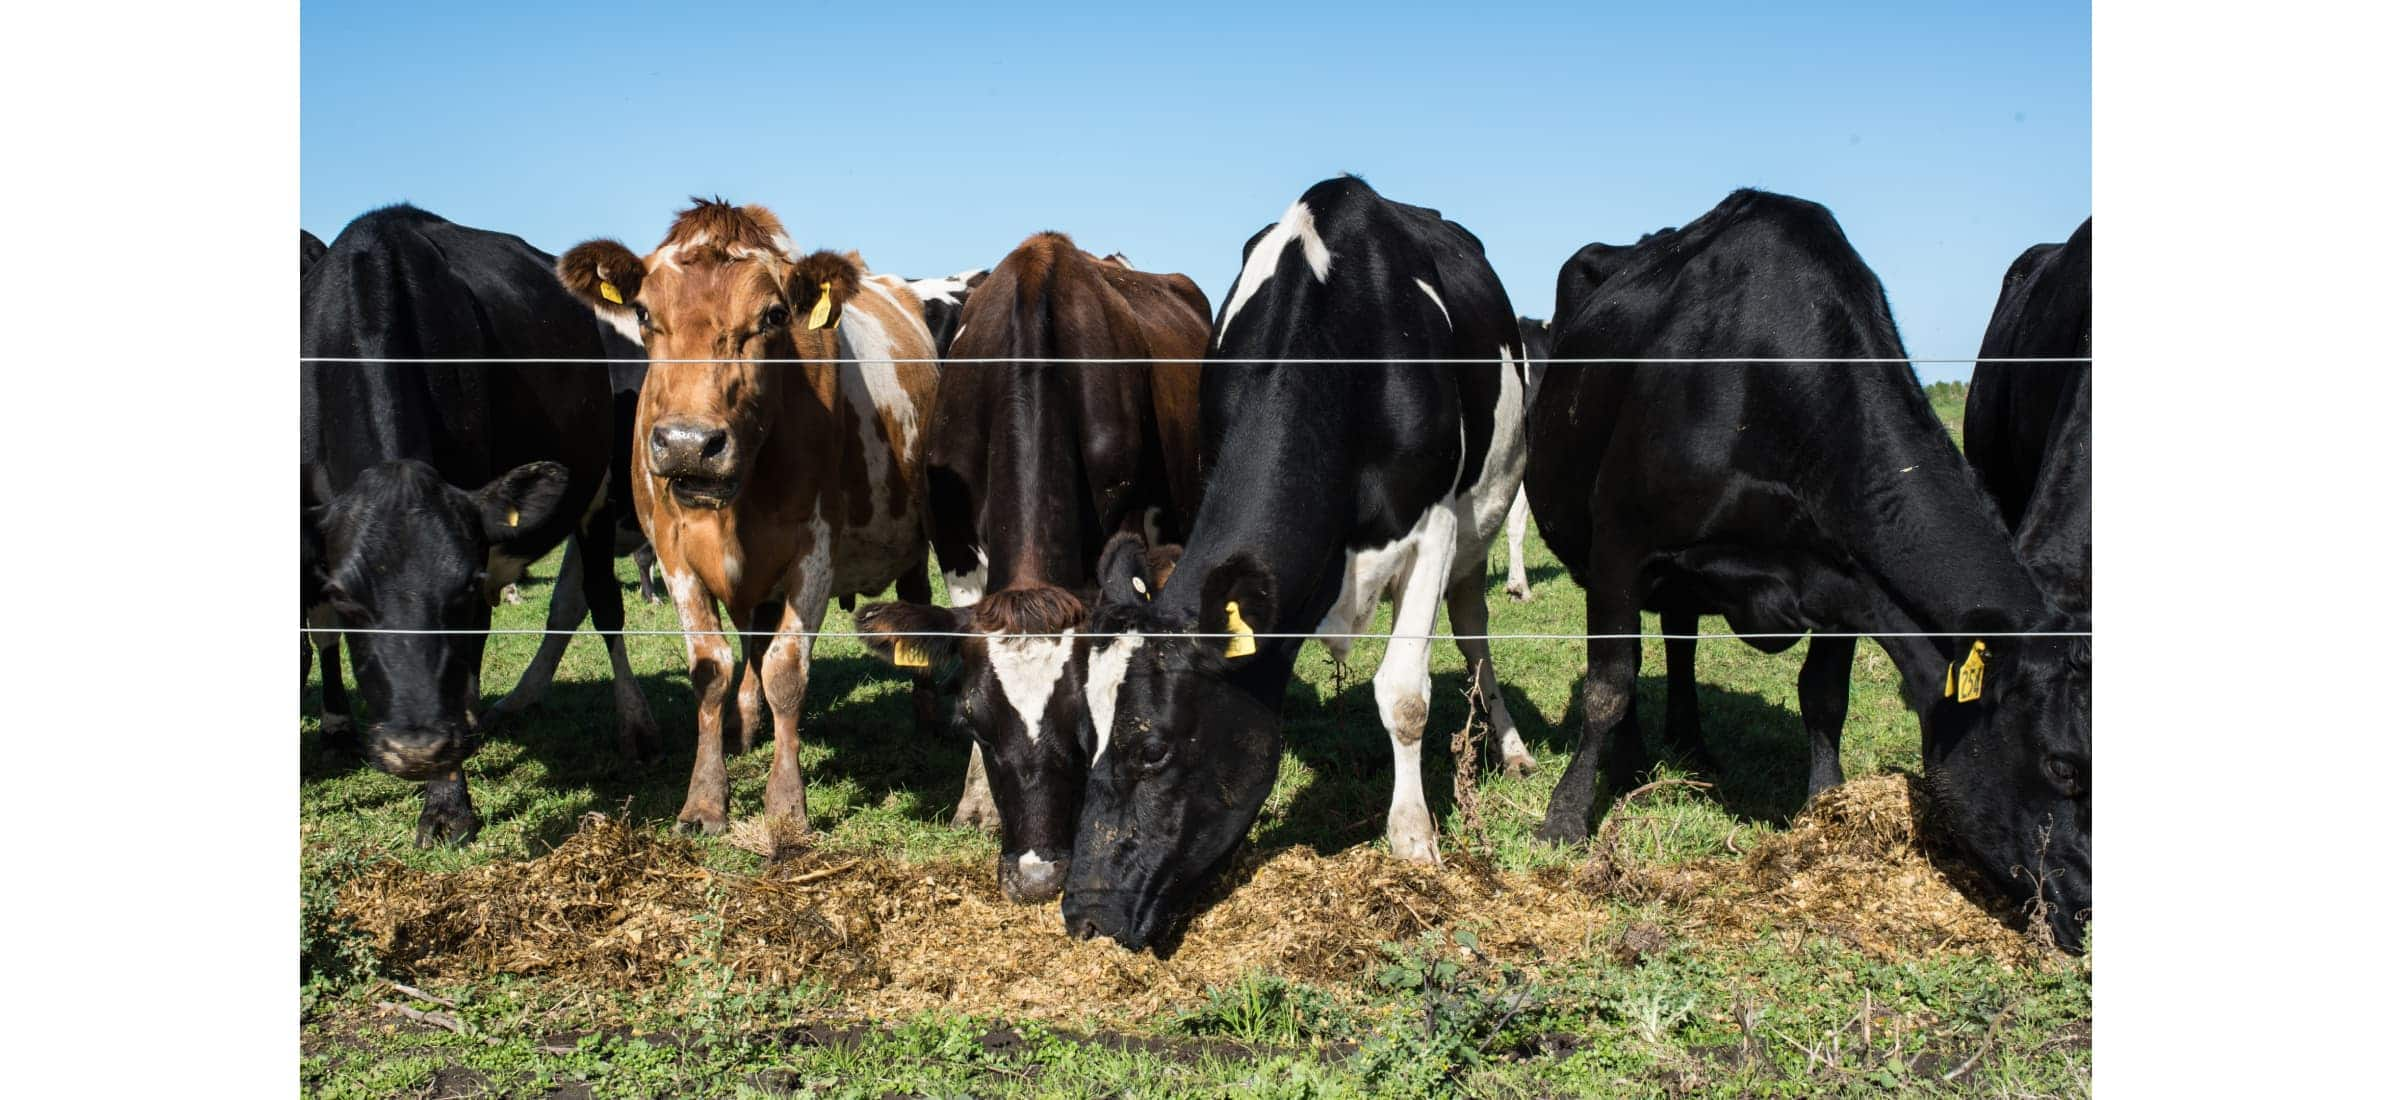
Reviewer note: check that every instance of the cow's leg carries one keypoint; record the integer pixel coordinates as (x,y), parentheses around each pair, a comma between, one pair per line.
(636,737)
(1402,685)
(448,816)
(644,560)
(786,664)
(568,604)
(707,809)
(336,730)
(913,586)
(1466,601)
(1608,740)
(1826,693)
(1515,534)
(1682,721)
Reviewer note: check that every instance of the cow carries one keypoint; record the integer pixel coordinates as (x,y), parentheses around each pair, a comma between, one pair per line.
(2028,430)
(1326,484)
(1809,496)
(942,304)
(426,487)
(1033,465)
(769,486)
(1537,337)
(311,249)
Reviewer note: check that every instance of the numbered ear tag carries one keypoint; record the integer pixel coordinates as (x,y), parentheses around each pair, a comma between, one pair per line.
(607,291)
(908,654)
(822,309)
(514,517)
(1241,642)
(1964,680)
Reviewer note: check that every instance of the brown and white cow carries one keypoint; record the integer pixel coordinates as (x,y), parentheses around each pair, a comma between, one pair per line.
(1034,464)
(772,487)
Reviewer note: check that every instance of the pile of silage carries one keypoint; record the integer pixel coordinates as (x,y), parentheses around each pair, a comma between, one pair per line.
(622,907)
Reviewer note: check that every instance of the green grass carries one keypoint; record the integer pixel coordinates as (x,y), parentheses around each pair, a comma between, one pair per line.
(1764,1020)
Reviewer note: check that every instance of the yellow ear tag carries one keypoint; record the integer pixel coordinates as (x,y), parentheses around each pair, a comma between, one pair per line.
(1241,642)
(906,654)
(822,309)
(514,517)
(607,291)
(1966,680)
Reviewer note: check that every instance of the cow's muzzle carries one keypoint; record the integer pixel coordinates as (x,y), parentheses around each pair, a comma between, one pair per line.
(419,752)
(1031,879)
(700,458)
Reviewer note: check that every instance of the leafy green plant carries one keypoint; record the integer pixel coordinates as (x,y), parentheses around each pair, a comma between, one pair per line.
(1265,1010)
(1455,1009)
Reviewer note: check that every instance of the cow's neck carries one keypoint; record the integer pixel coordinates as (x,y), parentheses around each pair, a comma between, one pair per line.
(1031,516)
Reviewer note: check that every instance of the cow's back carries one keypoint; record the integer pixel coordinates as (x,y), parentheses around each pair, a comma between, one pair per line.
(2028,430)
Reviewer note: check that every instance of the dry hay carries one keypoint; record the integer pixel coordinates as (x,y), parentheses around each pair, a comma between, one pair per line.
(1862,863)
(623,907)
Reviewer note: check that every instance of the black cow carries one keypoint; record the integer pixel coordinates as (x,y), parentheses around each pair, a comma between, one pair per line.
(2029,426)
(1537,337)
(311,249)
(396,543)
(1327,484)
(943,301)
(1798,497)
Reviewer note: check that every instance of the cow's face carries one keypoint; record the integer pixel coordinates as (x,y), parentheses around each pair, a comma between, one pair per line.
(1183,753)
(1018,696)
(2012,775)
(721,296)
(403,550)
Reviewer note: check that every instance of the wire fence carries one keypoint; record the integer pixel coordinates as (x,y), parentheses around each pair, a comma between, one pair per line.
(1478,361)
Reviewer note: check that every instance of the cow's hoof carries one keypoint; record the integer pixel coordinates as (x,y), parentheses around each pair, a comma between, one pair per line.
(981,817)
(1564,833)
(440,825)
(337,743)
(1411,836)
(638,742)
(1520,767)
(705,822)
(1517,591)
(509,595)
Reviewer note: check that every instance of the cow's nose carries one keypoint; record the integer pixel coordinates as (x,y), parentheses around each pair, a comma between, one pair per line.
(679,447)
(1028,879)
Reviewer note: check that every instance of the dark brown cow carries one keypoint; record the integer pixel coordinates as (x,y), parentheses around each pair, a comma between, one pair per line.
(1033,466)
(770,487)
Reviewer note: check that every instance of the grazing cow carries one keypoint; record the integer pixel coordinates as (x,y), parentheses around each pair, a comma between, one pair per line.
(427,487)
(942,304)
(1798,497)
(2029,426)
(1033,465)
(1327,485)
(772,487)
(1537,337)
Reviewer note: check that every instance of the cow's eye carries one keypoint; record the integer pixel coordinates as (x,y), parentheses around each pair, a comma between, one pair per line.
(774,317)
(641,312)
(2066,774)
(1154,752)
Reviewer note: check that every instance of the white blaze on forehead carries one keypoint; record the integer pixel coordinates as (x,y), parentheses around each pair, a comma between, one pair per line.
(1027,669)
(1295,225)
(1106,669)
(945,290)
(1431,291)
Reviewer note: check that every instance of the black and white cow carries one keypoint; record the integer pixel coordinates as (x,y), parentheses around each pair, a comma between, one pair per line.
(1537,337)
(2029,426)
(1327,484)
(427,487)
(1798,497)
(942,303)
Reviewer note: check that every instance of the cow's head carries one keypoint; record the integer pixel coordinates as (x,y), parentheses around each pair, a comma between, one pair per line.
(725,289)
(2012,770)
(403,550)
(1184,735)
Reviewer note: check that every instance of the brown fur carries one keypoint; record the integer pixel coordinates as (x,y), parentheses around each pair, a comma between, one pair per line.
(721,225)
(1029,609)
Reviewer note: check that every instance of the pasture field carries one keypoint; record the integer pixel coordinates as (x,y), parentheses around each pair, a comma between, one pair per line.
(1632,986)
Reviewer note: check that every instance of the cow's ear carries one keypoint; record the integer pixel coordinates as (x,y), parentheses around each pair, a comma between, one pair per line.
(1240,601)
(911,635)
(603,273)
(820,287)
(1121,574)
(521,500)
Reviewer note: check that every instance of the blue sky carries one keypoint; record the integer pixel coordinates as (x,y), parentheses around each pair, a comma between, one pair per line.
(1946,137)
